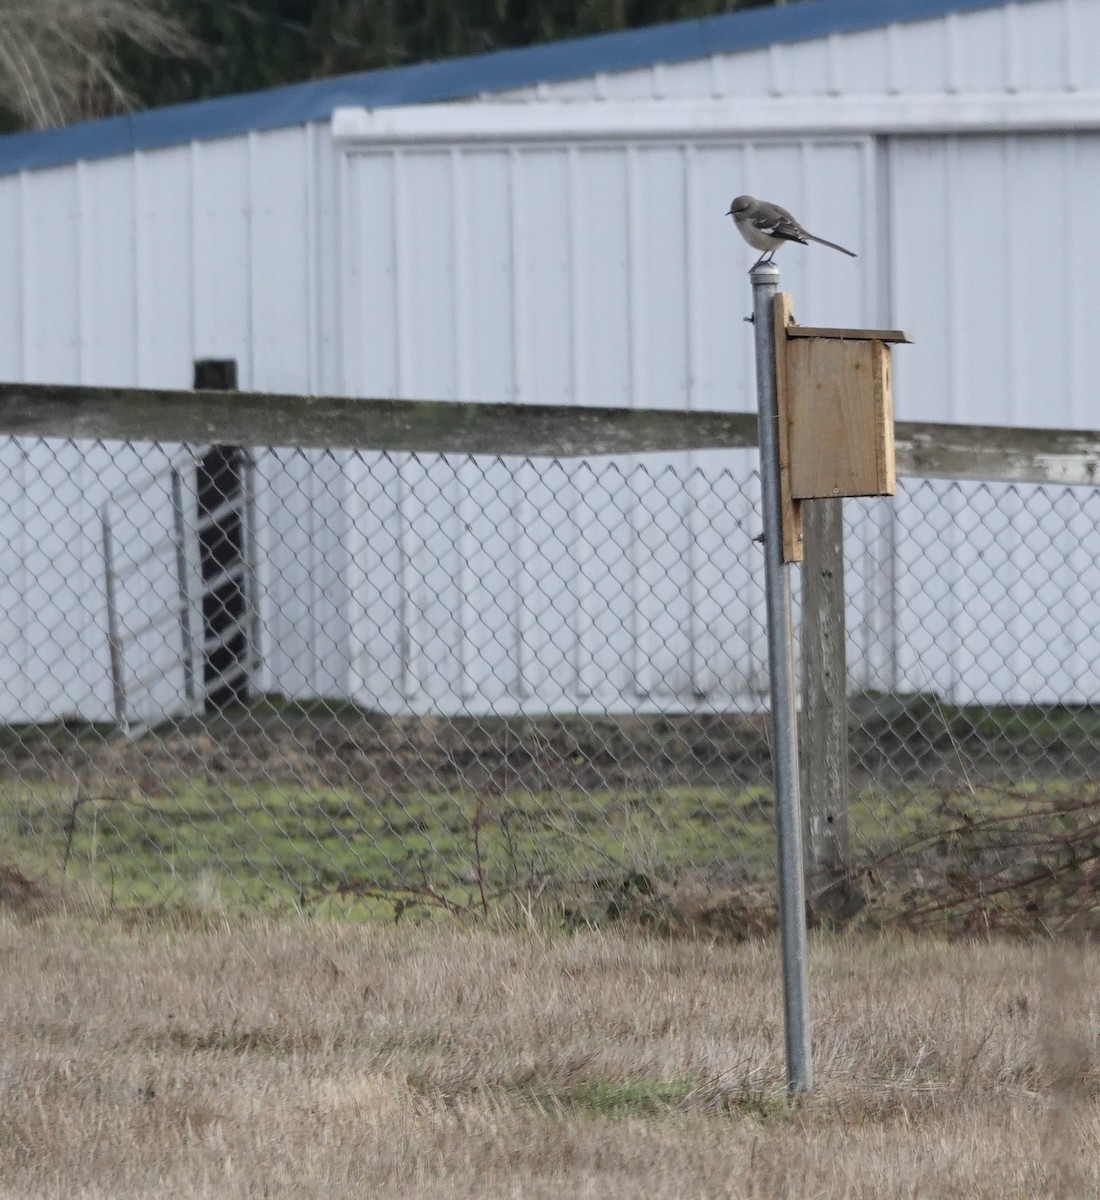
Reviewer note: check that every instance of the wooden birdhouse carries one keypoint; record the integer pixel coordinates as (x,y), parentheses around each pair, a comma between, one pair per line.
(836,415)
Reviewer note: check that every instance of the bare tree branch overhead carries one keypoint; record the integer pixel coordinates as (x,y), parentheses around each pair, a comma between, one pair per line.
(59,59)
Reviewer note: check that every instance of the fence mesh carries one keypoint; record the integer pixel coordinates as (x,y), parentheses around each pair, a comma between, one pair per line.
(392,684)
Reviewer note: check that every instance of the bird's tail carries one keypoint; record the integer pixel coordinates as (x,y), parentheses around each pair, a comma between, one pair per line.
(831,245)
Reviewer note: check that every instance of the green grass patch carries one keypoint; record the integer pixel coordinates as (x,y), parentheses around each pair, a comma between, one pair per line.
(629,1098)
(622,1099)
(273,846)
(204,844)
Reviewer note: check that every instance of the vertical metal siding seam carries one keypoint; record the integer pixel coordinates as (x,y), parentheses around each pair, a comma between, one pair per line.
(692,277)
(884,309)
(886,244)
(873,298)
(193,205)
(323,268)
(691,309)
(832,65)
(658,81)
(248,382)
(400,285)
(83,546)
(142,254)
(406,548)
(523,477)
(138,233)
(522,472)
(635,283)
(1015,594)
(1015,237)
(519,327)
(18,537)
(345,248)
(314,485)
(576,471)
(24,275)
(579,310)
(776,72)
(951,267)
(31,319)
(1010,26)
(1071,46)
(347,251)
(637,397)
(635,516)
(807,203)
(83,241)
(1080,328)
(312,238)
(953,63)
(1081,313)
(750,183)
(250,261)
(954,358)
(462,467)
(893,60)
(406,609)
(642,668)
(693,523)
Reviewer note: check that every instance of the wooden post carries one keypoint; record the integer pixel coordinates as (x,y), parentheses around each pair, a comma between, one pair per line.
(824,729)
(839,418)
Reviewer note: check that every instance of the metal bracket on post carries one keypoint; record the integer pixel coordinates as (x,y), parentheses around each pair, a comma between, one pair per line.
(784,720)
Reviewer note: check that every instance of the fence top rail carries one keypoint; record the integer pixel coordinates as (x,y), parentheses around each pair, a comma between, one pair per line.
(924,449)
(335,422)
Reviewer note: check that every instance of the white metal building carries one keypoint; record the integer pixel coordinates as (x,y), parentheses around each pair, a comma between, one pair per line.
(546,225)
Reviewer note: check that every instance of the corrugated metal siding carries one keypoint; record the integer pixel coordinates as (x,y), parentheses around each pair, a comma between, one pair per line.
(124,272)
(507,586)
(984,606)
(601,276)
(53,589)
(1042,46)
(996,593)
(1004,294)
(581,275)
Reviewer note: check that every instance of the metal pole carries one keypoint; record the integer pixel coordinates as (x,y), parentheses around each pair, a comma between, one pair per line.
(784,720)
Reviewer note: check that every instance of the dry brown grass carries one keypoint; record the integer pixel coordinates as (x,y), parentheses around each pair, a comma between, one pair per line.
(334,1061)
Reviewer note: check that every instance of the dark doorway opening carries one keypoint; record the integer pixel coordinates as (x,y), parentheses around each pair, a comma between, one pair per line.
(223,530)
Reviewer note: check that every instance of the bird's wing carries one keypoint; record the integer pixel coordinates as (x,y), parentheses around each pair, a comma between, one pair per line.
(778,223)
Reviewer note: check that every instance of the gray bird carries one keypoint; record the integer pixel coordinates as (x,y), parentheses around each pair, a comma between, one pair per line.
(767,226)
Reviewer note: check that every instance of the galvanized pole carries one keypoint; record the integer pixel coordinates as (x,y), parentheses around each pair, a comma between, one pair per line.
(784,720)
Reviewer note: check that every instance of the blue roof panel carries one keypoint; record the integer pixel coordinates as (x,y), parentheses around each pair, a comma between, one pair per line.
(453,79)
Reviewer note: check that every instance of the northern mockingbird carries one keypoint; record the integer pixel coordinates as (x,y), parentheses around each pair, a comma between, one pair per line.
(767,226)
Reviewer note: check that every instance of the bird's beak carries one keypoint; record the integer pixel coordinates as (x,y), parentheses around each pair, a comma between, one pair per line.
(730,213)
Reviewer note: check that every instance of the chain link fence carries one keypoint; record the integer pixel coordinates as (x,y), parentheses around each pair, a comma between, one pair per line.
(391,684)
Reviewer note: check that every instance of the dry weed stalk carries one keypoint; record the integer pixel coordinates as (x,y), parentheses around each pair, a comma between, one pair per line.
(58,58)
